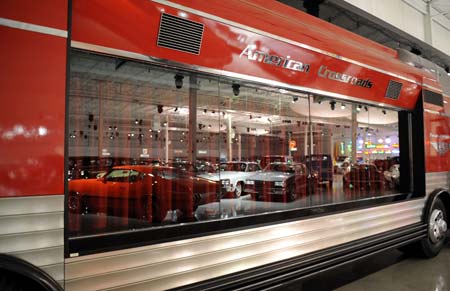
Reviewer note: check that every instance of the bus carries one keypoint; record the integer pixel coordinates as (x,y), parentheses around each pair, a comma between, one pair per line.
(116,116)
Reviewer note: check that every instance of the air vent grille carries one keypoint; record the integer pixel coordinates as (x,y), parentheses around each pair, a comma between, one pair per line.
(433,98)
(180,34)
(393,90)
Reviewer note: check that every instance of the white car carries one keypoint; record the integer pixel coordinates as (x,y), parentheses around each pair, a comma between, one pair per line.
(233,175)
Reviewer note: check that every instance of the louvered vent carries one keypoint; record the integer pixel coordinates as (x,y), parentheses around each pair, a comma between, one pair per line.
(180,34)
(433,98)
(393,90)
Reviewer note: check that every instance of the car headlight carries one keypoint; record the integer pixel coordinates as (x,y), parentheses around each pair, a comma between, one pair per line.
(225,182)
(279,183)
(250,182)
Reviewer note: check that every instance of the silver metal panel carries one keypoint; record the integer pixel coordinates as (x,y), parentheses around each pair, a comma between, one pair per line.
(33,222)
(33,27)
(31,204)
(32,228)
(31,240)
(437,180)
(178,263)
(42,257)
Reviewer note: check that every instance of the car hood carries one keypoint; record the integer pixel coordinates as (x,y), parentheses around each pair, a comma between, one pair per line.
(232,175)
(270,176)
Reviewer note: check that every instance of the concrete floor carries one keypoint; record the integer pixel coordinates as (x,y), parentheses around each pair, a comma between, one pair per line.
(391,270)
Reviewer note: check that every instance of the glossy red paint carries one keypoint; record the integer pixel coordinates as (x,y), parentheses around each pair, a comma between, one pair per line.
(223,44)
(437,142)
(32,119)
(51,13)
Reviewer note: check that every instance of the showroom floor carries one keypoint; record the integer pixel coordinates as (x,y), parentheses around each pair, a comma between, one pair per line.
(389,271)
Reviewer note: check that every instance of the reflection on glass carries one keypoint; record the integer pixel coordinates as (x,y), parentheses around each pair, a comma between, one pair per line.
(151,146)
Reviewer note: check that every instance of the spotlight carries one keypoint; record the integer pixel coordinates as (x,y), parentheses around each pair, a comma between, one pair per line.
(319,102)
(294,99)
(91,117)
(136,121)
(447,69)
(342,106)
(176,109)
(204,111)
(384,111)
(236,89)
(358,108)
(179,81)
(332,105)
(160,108)
(366,109)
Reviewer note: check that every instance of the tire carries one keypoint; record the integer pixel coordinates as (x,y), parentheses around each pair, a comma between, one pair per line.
(291,193)
(430,246)
(238,190)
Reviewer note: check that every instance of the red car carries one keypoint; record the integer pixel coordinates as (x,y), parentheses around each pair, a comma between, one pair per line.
(364,177)
(150,193)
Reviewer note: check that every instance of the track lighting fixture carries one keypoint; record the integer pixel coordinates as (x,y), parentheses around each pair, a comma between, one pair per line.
(160,108)
(236,89)
(384,111)
(332,105)
(176,109)
(294,99)
(358,108)
(366,109)
(178,81)
(342,106)
(204,111)
(91,117)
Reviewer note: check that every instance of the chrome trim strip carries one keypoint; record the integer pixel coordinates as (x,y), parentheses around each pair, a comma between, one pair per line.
(33,27)
(136,56)
(437,112)
(274,36)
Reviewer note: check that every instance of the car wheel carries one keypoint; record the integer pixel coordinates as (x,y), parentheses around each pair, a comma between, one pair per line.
(74,202)
(291,194)
(238,190)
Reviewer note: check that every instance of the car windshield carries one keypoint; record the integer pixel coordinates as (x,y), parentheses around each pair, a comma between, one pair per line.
(233,167)
(278,167)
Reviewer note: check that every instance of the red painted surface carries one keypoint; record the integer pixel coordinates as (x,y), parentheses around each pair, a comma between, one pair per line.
(222,44)
(32,121)
(51,13)
(437,136)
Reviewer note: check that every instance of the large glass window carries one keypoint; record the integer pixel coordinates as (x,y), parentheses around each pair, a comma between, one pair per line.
(152,146)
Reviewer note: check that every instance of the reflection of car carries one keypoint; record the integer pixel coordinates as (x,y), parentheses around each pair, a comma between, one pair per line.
(149,193)
(234,175)
(278,181)
(320,166)
(342,165)
(393,176)
(276,159)
(364,177)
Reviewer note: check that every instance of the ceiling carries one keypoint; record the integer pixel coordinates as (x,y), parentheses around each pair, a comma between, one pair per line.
(351,18)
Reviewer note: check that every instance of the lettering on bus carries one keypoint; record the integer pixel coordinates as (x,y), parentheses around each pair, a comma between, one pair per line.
(324,72)
(284,62)
(440,146)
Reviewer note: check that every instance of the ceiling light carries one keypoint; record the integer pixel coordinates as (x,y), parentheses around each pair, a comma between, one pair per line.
(332,105)
(160,108)
(236,89)
(358,108)
(342,106)
(178,81)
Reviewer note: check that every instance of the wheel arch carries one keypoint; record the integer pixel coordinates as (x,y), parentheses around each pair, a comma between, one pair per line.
(443,195)
(29,271)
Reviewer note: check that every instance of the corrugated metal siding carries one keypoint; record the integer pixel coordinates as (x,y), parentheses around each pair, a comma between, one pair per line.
(174,264)
(32,228)
(437,180)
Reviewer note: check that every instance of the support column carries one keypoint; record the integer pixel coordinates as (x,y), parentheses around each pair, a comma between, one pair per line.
(192,136)
(167,143)
(229,139)
(428,24)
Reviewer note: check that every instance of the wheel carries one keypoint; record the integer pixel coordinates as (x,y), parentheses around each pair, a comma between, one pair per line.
(291,193)
(437,230)
(238,190)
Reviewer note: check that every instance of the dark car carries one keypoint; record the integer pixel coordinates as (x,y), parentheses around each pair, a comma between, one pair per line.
(364,177)
(320,166)
(150,193)
(278,182)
